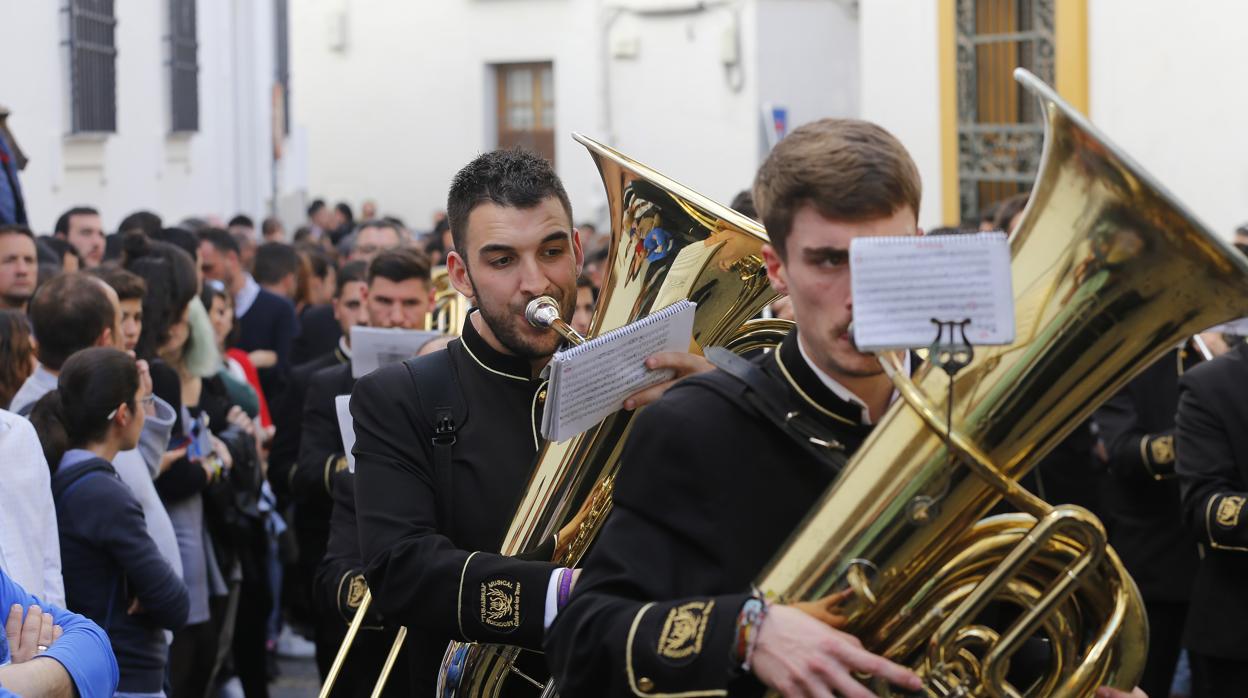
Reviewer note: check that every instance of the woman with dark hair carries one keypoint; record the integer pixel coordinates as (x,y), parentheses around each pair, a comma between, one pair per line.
(171,286)
(17,354)
(114,573)
(237,372)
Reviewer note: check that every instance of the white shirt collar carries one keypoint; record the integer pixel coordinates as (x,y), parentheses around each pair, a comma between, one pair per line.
(841,391)
(344,347)
(246,296)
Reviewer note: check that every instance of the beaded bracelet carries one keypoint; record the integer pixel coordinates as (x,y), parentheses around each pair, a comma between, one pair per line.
(565,588)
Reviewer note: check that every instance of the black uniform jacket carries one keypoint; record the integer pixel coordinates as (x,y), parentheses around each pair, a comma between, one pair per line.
(339,590)
(1213,479)
(320,454)
(707,493)
(288,419)
(447,582)
(1141,502)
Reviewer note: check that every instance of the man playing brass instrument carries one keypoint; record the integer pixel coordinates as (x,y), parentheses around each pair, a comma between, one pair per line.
(445,443)
(717,474)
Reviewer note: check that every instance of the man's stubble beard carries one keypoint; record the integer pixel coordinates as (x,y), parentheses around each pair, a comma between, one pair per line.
(503,324)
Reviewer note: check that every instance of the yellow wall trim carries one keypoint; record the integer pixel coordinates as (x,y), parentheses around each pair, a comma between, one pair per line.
(1070,29)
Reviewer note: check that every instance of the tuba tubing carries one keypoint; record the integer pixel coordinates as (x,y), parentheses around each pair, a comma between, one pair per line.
(1109,273)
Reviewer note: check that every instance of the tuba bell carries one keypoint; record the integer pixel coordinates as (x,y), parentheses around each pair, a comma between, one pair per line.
(1109,273)
(667,243)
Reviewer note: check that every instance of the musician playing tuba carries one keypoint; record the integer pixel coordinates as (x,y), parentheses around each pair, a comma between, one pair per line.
(445,443)
(721,470)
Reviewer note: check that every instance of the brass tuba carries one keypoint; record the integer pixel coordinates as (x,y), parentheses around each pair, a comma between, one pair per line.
(667,243)
(450,309)
(1109,273)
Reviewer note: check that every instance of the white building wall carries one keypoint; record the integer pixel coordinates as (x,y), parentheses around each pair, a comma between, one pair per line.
(396,96)
(901,86)
(1170,86)
(141,166)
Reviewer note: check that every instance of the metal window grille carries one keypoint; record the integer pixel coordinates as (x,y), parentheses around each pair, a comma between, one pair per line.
(281,61)
(92,66)
(526,107)
(1000,131)
(183,67)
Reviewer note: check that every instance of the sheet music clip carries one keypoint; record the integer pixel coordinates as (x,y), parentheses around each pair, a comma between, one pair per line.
(951,351)
(952,354)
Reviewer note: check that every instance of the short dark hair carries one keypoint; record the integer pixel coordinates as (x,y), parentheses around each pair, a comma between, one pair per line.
(315,207)
(274,261)
(170,276)
(59,247)
(743,203)
(62,223)
(145,221)
(345,209)
(270,224)
(219,239)
(67,314)
(515,178)
(243,220)
(351,271)
(1006,211)
(127,284)
(179,237)
(16,229)
(93,382)
(399,264)
(849,170)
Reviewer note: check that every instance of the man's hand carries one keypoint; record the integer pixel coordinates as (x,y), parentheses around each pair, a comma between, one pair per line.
(1107,692)
(829,610)
(31,637)
(800,656)
(682,363)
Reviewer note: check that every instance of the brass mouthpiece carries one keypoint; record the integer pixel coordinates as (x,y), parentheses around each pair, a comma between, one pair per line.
(543,311)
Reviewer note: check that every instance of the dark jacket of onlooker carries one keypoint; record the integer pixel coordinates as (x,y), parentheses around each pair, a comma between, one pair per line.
(111,565)
(319,332)
(270,324)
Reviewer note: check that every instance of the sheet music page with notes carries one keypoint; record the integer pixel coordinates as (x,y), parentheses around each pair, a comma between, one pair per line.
(590,381)
(901,283)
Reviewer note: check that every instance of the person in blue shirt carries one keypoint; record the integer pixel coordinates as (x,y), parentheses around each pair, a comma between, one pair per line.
(114,573)
(48,651)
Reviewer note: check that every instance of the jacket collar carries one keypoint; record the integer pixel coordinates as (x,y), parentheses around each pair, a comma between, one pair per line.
(482,354)
(803,381)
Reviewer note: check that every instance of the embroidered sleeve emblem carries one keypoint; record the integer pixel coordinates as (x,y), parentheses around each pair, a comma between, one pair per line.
(1162,449)
(500,604)
(682,631)
(355,592)
(1229,509)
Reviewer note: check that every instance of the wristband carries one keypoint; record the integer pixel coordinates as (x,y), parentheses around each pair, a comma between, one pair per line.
(565,588)
(749,623)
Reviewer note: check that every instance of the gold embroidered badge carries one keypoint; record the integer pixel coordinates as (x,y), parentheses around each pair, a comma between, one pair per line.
(500,604)
(683,630)
(355,592)
(1228,511)
(1162,449)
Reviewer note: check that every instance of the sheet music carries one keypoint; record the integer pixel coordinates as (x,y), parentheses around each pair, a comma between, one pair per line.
(374,347)
(901,283)
(589,382)
(342,405)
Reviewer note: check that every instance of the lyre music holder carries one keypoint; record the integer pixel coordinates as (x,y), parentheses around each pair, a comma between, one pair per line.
(950,351)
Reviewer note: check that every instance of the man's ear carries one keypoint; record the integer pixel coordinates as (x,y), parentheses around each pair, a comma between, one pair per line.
(776,271)
(579,250)
(106,338)
(457,271)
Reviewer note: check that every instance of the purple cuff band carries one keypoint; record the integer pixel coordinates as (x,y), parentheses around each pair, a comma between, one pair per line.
(565,588)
